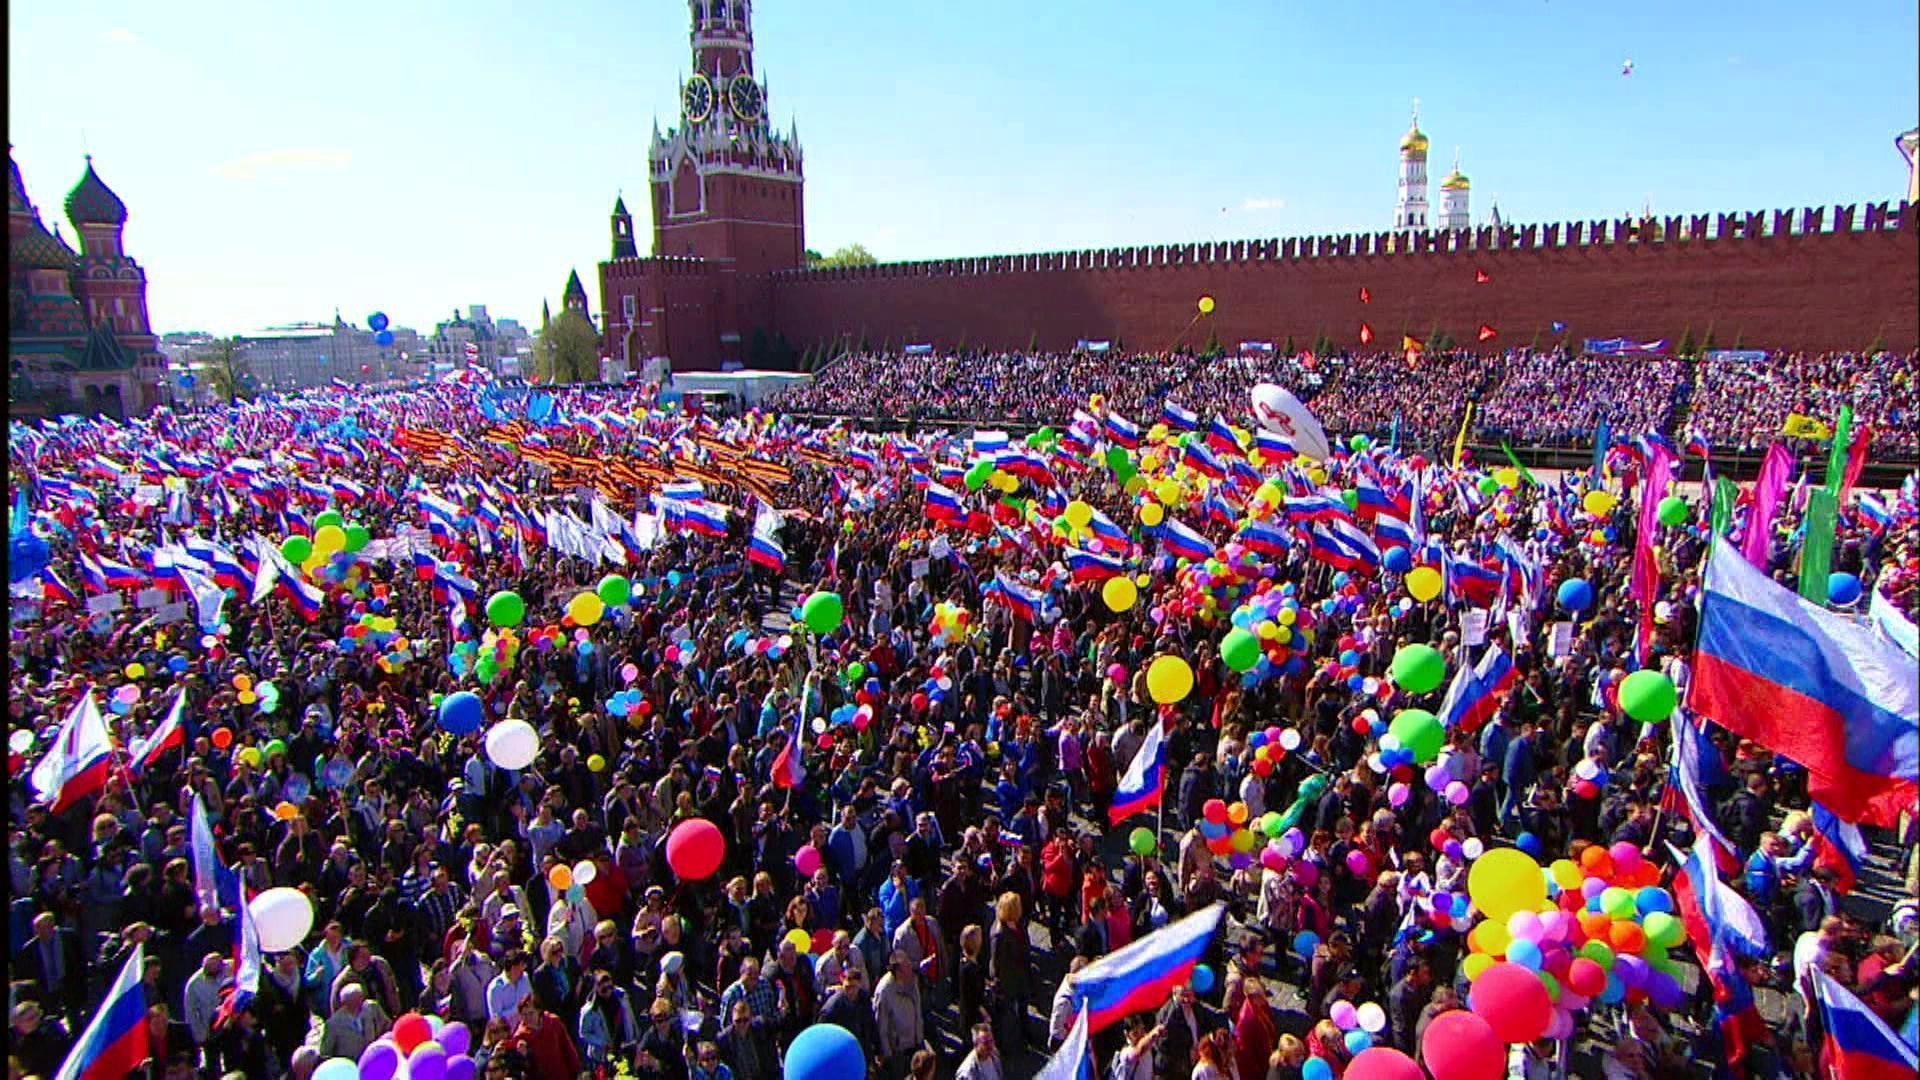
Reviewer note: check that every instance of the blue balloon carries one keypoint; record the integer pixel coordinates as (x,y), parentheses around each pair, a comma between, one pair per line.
(1398,559)
(1615,992)
(1843,589)
(1575,595)
(1305,942)
(1357,1041)
(1202,978)
(1526,954)
(462,713)
(186,382)
(378,321)
(825,1052)
(383,339)
(1529,843)
(1314,1069)
(177,664)
(337,1069)
(1651,899)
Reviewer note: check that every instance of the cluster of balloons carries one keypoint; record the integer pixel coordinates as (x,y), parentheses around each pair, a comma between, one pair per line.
(495,652)
(769,646)
(1271,746)
(1553,940)
(378,633)
(629,702)
(418,1048)
(565,878)
(1270,632)
(950,623)
(382,336)
(1360,1023)
(332,536)
(246,691)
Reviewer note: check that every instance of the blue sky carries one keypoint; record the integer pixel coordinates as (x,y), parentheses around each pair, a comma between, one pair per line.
(279,160)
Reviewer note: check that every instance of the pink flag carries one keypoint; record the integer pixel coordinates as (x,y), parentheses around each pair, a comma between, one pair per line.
(1645,585)
(1767,492)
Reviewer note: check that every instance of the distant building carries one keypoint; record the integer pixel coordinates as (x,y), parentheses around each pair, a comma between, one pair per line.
(477,340)
(300,355)
(78,338)
(1909,146)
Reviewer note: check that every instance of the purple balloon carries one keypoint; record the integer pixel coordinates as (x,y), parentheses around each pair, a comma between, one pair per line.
(1664,991)
(461,1067)
(1592,887)
(1438,777)
(379,1061)
(456,1037)
(427,1062)
(1241,860)
(1631,969)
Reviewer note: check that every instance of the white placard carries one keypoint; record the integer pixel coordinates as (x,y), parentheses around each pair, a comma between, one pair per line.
(172,613)
(106,605)
(149,494)
(920,567)
(1473,627)
(1517,627)
(1560,639)
(939,549)
(150,598)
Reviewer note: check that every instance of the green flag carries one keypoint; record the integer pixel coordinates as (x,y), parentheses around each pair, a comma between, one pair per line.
(1725,494)
(1816,552)
(1521,469)
(1837,454)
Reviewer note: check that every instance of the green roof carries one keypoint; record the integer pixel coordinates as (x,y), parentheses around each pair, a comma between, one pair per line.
(92,202)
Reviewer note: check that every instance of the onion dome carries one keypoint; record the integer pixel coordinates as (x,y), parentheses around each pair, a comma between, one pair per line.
(1456,181)
(1414,141)
(41,250)
(92,202)
(16,188)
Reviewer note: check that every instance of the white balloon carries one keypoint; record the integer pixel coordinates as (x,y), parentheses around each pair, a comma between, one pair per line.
(1280,412)
(512,744)
(1289,739)
(584,872)
(283,917)
(1473,848)
(1373,1018)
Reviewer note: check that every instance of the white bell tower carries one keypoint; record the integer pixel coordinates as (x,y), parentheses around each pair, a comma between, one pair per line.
(1410,212)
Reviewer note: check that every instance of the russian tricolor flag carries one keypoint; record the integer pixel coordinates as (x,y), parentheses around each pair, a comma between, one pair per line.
(53,590)
(1686,791)
(1342,545)
(1390,531)
(1025,603)
(1264,537)
(1470,582)
(1092,566)
(1182,542)
(1103,527)
(1220,437)
(1122,431)
(1317,507)
(114,1044)
(1177,418)
(306,599)
(1474,696)
(1839,847)
(1859,1045)
(1141,976)
(1201,460)
(1833,694)
(789,766)
(766,551)
(986,443)
(172,732)
(943,504)
(1145,781)
(705,518)
(75,766)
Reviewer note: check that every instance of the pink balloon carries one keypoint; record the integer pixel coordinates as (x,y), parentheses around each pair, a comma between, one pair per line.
(1344,1015)
(1457,793)
(1526,926)
(806,860)
(1626,858)
(1514,1001)
(1461,1046)
(1358,862)
(629,672)
(1384,1063)
(1306,873)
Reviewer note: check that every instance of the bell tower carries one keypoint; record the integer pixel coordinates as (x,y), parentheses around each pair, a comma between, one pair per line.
(726,185)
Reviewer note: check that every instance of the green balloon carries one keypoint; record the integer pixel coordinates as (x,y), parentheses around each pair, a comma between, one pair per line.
(1359,442)
(977,475)
(1061,523)
(1419,731)
(823,612)
(1351,498)
(856,671)
(358,537)
(297,549)
(276,746)
(329,517)
(1142,841)
(1617,902)
(1418,668)
(1663,929)
(505,608)
(1674,511)
(1648,696)
(1047,434)
(1240,650)
(614,590)
(1035,442)
(1489,486)
(1117,457)
(1600,953)
(1270,824)
(1126,472)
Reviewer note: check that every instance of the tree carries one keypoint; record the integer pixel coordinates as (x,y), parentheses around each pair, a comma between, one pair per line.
(1289,349)
(568,349)
(1686,349)
(850,255)
(1212,349)
(228,374)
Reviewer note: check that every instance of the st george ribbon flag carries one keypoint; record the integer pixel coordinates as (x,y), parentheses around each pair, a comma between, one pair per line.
(1824,689)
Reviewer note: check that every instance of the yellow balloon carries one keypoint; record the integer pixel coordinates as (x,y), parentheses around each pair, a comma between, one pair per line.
(1168,491)
(1318,476)
(1490,937)
(1566,874)
(1476,965)
(1135,484)
(1506,880)
(1507,478)
(1243,840)
(1157,433)
(330,538)
(586,608)
(1269,494)
(249,756)
(1151,514)
(1143,580)
(136,669)
(1206,305)
(1169,680)
(1119,593)
(1079,514)
(596,763)
(800,940)
(1599,503)
(1423,583)
(1288,616)
(286,811)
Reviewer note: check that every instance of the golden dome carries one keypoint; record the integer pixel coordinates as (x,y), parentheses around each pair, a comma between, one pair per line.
(1456,181)
(1414,142)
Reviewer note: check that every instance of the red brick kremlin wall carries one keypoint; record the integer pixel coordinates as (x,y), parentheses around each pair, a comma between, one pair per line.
(1827,278)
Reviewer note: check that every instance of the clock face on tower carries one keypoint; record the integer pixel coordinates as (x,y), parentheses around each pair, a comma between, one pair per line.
(697,99)
(743,97)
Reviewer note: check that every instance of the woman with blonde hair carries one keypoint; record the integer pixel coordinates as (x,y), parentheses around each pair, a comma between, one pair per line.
(1289,1060)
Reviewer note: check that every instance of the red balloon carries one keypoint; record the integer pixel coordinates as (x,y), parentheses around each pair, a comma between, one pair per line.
(1461,1046)
(822,941)
(1586,978)
(1384,1063)
(1513,1001)
(1215,810)
(410,1031)
(695,849)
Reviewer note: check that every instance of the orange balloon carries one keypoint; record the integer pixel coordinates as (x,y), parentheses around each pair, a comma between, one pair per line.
(1627,937)
(560,876)
(222,738)
(1597,863)
(1597,924)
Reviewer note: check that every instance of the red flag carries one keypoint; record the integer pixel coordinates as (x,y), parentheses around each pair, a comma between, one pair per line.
(1856,459)
(1486,332)
(1481,277)
(1366,333)
(1366,295)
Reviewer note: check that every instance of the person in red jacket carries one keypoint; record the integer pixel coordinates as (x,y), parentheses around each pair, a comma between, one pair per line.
(1058,876)
(547,1044)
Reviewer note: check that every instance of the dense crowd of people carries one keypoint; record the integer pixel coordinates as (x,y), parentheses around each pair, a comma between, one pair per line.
(1532,397)
(947,866)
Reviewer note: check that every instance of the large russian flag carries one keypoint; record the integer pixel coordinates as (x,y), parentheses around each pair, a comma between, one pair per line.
(1182,542)
(1141,976)
(1145,780)
(1104,527)
(1264,537)
(172,732)
(1342,544)
(1121,431)
(1023,602)
(766,551)
(1813,685)
(705,518)
(1390,531)
(1839,847)
(114,1043)
(75,766)
(1859,1045)
(1177,418)
(1092,566)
